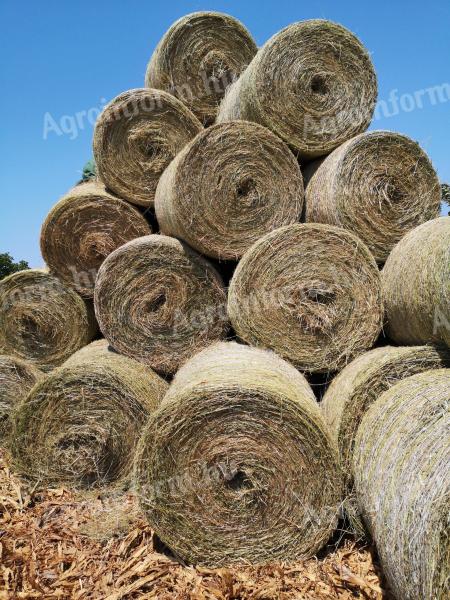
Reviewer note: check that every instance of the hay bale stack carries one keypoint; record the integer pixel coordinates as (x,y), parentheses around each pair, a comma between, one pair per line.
(83,227)
(42,320)
(158,301)
(402,453)
(313,84)
(17,377)
(136,137)
(237,464)
(379,185)
(353,391)
(228,187)
(310,292)
(415,282)
(80,426)
(198,58)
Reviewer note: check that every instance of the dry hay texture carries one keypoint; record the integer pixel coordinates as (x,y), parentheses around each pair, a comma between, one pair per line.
(402,454)
(416,286)
(80,426)
(86,225)
(198,58)
(42,320)
(237,464)
(136,137)
(232,184)
(17,377)
(379,185)
(158,301)
(313,84)
(309,292)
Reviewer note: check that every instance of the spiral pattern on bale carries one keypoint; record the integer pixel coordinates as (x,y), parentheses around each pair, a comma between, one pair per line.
(80,426)
(237,464)
(401,460)
(42,320)
(231,185)
(158,301)
(136,137)
(198,58)
(416,286)
(83,227)
(309,292)
(379,185)
(313,84)
(17,377)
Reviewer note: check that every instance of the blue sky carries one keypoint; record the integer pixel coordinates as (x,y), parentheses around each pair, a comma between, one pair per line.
(63,58)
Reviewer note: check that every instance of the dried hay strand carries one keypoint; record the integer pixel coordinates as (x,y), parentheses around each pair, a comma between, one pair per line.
(42,320)
(313,84)
(17,377)
(83,227)
(237,464)
(79,427)
(232,184)
(379,185)
(158,301)
(309,292)
(198,58)
(401,460)
(416,289)
(136,137)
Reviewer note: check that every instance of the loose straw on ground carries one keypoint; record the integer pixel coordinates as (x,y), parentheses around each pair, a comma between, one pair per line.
(401,460)
(136,137)
(309,292)
(159,302)
(86,225)
(313,84)
(198,58)
(232,184)
(237,465)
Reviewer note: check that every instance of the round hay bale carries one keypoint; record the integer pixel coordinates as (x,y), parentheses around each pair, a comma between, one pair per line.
(158,301)
(81,230)
(42,320)
(237,464)
(310,292)
(17,377)
(353,391)
(379,185)
(136,137)
(416,289)
(313,84)
(198,58)
(80,426)
(232,184)
(402,455)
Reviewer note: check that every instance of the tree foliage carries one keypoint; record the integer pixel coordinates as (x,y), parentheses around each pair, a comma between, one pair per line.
(8,266)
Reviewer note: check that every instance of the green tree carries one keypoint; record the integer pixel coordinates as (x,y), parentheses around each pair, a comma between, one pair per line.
(8,266)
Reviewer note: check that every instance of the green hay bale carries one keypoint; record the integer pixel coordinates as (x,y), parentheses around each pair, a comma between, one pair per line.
(237,464)
(232,184)
(401,460)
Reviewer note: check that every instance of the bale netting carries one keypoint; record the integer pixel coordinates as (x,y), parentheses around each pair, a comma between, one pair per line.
(309,292)
(86,225)
(379,185)
(416,289)
(42,320)
(313,84)
(228,187)
(237,464)
(136,137)
(80,426)
(401,460)
(198,58)
(17,377)
(158,301)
